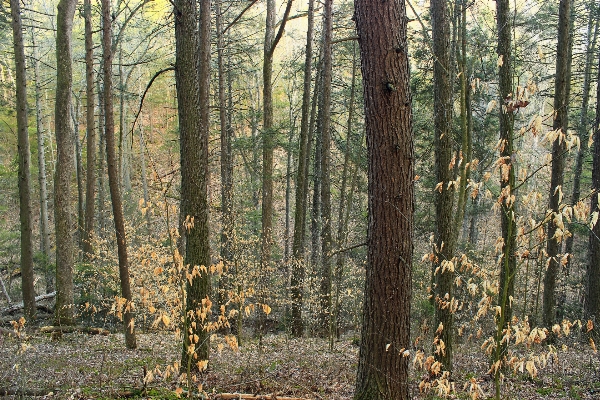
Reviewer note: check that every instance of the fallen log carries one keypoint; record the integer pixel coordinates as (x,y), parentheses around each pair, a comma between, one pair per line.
(70,329)
(19,306)
(7,332)
(237,396)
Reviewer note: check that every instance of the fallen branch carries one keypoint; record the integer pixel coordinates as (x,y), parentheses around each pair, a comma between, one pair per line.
(7,332)
(18,306)
(236,396)
(71,329)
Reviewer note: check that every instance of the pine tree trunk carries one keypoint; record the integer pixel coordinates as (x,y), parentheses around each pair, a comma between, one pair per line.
(65,249)
(382,368)
(562,81)
(444,192)
(192,79)
(24,157)
(113,178)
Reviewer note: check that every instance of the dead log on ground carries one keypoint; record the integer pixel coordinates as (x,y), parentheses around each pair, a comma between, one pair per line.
(19,306)
(70,329)
(237,396)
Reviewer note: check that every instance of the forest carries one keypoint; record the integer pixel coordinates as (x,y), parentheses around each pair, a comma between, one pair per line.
(299,199)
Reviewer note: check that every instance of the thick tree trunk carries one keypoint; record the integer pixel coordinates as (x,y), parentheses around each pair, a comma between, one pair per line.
(113,178)
(192,80)
(44,221)
(562,81)
(382,368)
(298,253)
(65,167)
(101,158)
(90,188)
(326,235)
(24,157)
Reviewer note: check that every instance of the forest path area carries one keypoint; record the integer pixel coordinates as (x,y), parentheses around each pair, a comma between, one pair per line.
(82,366)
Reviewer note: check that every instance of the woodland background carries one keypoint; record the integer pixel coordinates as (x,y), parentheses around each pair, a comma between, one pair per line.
(285,311)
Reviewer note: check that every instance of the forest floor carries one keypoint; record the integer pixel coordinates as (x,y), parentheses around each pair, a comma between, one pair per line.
(81,366)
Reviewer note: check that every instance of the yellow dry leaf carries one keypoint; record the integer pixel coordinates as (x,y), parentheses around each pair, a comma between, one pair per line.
(501,60)
(202,365)
(266,309)
(491,106)
(178,391)
(593,345)
(590,325)
(158,270)
(165,320)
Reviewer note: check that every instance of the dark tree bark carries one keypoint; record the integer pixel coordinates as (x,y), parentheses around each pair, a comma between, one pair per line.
(382,369)
(192,80)
(24,157)
(88,231)
(298,253)
(592,287)
(65,167)
(113,178)
(561,83)
(443,270)
(508,263)
(78,172)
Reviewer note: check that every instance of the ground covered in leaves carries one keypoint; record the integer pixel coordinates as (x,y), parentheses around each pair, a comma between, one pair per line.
(81,366)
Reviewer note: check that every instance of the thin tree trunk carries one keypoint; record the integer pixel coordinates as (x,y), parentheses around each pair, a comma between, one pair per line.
(88,232)
(113,178)
(78,172)
(592,287)
(508,263)
(44,221)
(298,253)
(443,270)
(101,158)
(382,366)
(144,176)
(24,157)
(65,248)
(562,81)
(343,216)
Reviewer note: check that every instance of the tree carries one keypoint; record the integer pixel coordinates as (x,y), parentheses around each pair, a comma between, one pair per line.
(444,190)
(113,178)
(382,367)
(64,165)
(91,132)
(24,157)
(192,52)
(561,83)
(298,270)
(592,287)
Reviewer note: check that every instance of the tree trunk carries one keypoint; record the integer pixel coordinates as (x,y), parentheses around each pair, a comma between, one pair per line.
(78,172)
(326,235)
(101,158)
(227,218)
(508,263)
(383,369)
(44,222)
(592,287)
(24,157)
(88,232)
(113,178)
(64,165)
(192,54)
(444,192)
(562,81)
(298,253)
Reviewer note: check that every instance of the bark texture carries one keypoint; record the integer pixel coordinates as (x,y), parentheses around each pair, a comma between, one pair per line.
(24,156)
(388,118)
(65,167)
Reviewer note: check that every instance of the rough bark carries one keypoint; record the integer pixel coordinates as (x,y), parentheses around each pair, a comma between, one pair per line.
(64,165)
(561,83)
(113,178)
(298,270)
(191,77)
(24,157)
(78,172)
(88,231)
(382,369)
(444,191)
